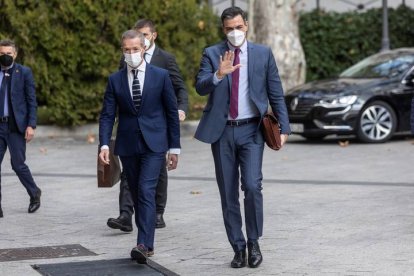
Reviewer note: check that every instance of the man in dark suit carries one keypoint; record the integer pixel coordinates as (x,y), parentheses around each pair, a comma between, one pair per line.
(241,79)
(160,58)
(148,127)
(17,118)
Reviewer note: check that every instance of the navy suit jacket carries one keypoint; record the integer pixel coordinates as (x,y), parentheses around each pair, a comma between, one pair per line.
(23,97)
(264,88)
(157,118)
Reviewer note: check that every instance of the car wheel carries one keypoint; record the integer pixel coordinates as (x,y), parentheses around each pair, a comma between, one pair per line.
(377,123)
(313,137)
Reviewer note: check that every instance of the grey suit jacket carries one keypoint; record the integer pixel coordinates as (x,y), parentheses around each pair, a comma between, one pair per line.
(264,88)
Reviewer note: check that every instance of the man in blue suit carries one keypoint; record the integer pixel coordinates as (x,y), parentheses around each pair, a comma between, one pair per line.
(160,58)
(240,79)
(17,118)
(148,127)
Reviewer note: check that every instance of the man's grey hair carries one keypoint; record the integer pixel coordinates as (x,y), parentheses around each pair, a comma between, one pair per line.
(131,34)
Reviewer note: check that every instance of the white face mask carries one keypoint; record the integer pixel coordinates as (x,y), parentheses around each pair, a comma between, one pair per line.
(133,60)
(147,43)
(236,37)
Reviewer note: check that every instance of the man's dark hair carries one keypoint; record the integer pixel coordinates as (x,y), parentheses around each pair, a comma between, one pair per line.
(231,13)
(8,43)
(142,23)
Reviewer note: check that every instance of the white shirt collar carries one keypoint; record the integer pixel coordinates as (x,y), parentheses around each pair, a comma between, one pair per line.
(7,68)
(140,68)
(243,47)
(150,51)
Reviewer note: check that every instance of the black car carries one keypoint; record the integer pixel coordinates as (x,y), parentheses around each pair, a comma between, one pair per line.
(371,99)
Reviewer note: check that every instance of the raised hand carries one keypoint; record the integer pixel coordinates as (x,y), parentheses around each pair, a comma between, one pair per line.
(226,65)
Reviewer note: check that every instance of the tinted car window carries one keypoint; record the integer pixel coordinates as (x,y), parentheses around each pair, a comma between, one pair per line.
(382,65)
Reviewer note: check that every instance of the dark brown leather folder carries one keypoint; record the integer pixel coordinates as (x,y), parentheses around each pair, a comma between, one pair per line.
(271,131)
(109,175)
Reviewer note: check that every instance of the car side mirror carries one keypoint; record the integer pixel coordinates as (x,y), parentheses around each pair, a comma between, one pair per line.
(409,80)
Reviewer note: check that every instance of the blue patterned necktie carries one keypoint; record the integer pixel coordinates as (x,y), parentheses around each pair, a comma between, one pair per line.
(136,90)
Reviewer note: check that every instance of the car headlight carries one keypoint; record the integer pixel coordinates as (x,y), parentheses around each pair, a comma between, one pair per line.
(338,102)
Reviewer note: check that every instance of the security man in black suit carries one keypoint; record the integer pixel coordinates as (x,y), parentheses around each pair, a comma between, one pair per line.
(17,118)
(160,58)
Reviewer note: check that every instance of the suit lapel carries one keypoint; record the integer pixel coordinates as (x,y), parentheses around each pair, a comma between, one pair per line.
(15,78)
(147,82)
(250,62)
(155,56)
(125,90)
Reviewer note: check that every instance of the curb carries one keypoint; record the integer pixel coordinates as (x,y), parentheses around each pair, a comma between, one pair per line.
(91,131)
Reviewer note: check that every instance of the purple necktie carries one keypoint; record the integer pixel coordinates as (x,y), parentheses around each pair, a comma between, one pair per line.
(234,97)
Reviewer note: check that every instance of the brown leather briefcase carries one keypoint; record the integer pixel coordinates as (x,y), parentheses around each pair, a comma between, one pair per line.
(271,131)
(109,175)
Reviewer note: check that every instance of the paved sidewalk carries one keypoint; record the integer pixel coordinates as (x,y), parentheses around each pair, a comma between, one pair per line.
(329,210)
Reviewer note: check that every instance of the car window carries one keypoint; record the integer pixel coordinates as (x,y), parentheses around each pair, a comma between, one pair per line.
(380,65)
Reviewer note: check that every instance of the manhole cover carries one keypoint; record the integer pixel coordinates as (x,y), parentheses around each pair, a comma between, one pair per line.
(44,252)
(116,267)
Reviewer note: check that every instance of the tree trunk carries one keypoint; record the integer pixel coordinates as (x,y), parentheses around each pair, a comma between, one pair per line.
(275,23)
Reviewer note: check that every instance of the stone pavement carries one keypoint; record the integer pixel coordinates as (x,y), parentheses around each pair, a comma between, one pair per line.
(329,210)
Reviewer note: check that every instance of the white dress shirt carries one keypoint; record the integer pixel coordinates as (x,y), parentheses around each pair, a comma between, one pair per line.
(141,76)
(246,109)
(6,100)
(149,53)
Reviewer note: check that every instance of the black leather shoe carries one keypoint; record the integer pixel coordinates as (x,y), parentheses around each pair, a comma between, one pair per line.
(160,223)
(239,259)
(255,256)
(35,202)
(1,213)
(139,254)
(122,223)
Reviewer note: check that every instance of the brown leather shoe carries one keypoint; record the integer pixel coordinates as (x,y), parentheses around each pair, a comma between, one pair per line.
(139,254)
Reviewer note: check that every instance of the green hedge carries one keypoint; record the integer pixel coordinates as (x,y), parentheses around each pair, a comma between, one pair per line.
(72,46)
(334,41)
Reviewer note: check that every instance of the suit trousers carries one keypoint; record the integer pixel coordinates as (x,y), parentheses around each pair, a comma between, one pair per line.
(17,148)
(142,171)
(126,205)
(238,154)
